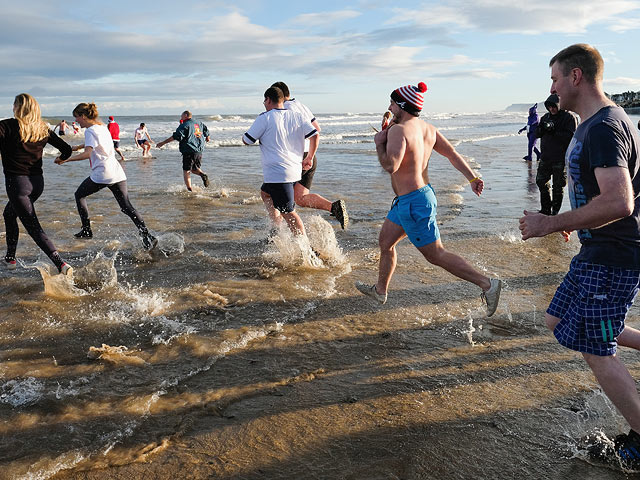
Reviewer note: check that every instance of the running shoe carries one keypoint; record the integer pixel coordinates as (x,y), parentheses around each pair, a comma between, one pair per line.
(149,242)
(205,179)
(66,269)
(623,452)
(84,233)
(11,263)
(339,210)
(370,290)
(492,296)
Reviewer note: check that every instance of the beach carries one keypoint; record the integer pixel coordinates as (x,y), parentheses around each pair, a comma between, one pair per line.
(231,353)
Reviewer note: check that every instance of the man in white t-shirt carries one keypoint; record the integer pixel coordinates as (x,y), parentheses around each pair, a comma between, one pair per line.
(303,197)
(282,134)
(140,141)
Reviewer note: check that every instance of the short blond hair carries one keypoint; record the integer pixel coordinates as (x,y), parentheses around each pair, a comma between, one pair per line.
(582,56)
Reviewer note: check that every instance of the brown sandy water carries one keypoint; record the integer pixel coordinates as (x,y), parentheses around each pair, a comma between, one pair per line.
(229,355)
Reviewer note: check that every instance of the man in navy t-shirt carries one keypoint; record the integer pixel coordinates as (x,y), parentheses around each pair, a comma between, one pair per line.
(588,311)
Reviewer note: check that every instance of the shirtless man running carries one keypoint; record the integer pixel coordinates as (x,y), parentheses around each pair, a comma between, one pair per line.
(404,150)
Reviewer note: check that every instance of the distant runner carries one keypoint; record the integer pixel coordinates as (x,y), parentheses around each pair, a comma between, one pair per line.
(193,136)
(114,130)
(105,172)
(139,138)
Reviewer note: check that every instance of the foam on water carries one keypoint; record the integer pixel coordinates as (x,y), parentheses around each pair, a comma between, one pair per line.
(19,393)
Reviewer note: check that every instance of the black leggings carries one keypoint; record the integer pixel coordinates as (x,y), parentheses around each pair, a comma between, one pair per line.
(23,191)
(119,190)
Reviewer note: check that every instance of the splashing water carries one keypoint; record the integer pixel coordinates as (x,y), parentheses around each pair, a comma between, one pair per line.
(170,243)
(56,285)
(323,240)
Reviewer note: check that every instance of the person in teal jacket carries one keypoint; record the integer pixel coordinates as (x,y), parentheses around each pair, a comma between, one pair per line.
(192,136)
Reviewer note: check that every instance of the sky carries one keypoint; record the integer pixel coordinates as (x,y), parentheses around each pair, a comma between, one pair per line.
(218,57)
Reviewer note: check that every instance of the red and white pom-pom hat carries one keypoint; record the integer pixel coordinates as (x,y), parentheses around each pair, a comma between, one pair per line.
(410,98)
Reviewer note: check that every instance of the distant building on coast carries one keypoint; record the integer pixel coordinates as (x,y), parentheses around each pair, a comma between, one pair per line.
(630,101)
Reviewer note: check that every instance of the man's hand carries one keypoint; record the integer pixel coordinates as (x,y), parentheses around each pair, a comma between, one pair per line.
(381,137)
(477,186)
(307,162)
(59,161)
(534,224)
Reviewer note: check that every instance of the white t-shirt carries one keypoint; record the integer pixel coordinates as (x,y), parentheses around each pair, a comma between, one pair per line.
(140,133)
(105,168)
(281,133)
(300,107)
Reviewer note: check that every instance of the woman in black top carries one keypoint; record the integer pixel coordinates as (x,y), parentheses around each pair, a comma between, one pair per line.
(22,140)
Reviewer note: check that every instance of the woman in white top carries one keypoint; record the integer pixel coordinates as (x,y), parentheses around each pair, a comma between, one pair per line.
(105,172)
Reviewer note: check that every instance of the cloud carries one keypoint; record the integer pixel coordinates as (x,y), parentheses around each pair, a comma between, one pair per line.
(623,82)
(534,17)
(323,18)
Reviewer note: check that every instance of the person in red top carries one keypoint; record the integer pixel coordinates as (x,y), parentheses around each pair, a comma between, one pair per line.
(114,130)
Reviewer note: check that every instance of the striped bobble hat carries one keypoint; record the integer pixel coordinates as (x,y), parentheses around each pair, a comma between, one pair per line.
(410,98)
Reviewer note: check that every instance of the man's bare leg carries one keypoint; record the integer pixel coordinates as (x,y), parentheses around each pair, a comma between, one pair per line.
(618,385)
(436,254)
(294,222)
(630,337)
(390,235)
(187,179)
(274,214)
(304,198)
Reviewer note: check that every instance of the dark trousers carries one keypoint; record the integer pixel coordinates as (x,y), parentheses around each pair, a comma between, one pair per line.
(23,191)
(547,170)
(119,190)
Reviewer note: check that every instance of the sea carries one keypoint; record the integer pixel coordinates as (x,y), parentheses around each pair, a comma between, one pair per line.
(235,351)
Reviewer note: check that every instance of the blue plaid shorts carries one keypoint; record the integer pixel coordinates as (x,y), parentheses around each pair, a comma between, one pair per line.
(592,302)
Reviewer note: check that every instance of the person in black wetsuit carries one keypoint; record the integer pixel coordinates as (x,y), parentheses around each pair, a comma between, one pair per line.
(22,140)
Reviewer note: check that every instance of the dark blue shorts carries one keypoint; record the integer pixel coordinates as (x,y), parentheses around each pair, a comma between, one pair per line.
(281,195)
(592,302)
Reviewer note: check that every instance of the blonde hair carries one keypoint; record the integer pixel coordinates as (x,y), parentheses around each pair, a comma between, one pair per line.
(27,113)
(89,110)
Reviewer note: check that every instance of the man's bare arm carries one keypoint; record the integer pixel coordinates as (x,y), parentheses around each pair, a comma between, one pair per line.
(390,146)
(444,148)
(616,201)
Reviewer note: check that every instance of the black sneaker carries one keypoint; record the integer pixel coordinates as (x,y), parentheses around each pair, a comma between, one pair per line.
(623,452)
(84,233)
(339,210)
(149,242)
(10,263)
(205,179)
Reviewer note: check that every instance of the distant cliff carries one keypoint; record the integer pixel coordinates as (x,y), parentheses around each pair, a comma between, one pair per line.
(522,107)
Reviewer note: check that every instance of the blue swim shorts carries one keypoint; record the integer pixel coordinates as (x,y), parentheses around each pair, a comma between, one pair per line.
(415,212)
(281,195)
(592,302)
